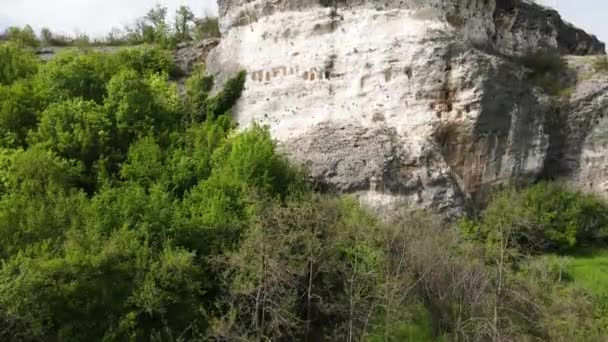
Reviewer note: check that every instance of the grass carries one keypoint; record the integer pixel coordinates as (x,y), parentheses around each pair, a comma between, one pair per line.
(588,270)
(600,64)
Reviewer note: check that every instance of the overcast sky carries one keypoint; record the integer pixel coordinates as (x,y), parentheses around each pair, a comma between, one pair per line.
(94,17)
(97,17)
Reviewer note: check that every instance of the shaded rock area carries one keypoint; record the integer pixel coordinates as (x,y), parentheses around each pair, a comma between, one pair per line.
(523,26)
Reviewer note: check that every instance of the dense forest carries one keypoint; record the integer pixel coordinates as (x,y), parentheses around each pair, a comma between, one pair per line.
(131,210)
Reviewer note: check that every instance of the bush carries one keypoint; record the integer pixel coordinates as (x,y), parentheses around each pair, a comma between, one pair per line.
(544,217)
(207,27)
(130,105)
(600,64)
(73,74)
(198,87)
(16,63)
(52,39)
(146,60)
(547,70)
(75,129)
(20,106)
(23,37)
(227,97)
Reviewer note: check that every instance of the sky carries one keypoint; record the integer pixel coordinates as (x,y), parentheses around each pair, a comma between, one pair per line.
(93,17)
(97,17)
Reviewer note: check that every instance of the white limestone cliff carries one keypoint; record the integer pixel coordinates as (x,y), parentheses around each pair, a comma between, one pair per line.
(418,102)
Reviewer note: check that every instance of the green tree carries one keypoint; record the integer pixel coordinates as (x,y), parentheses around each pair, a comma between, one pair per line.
(16,63)
(130,104)
(73,74)
(183,19)
(20,105)
(198,88)
(544,217)
(223,101)
(144,163)
(146,60)
(75,129)
(207,27)
(23,37)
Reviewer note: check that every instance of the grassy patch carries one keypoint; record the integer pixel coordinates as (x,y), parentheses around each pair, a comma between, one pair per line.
(600,64)
(588,269)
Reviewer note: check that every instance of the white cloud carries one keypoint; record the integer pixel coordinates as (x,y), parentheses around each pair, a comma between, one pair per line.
(94,17)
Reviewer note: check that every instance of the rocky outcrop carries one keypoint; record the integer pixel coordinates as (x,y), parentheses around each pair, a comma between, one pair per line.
(524,26)
(580,153)
(189,54)
(417,102)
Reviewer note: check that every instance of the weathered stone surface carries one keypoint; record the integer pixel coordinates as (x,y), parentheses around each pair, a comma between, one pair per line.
(523,26)
(187,55)
(579,152)
(416,102)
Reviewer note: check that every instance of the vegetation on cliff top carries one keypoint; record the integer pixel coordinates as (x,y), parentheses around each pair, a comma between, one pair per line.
(156,27)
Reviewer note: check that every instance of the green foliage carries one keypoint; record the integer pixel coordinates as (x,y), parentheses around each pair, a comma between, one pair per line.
(587,268)
(547,70)
(544,217)
(75,129)
(146,59)
(183,19)
(37,169)
(16,63)
(129,212)
(23,37)
(198,87)
(226,98)
(144,163)
(600,64)
(130,104)
(20,104)
(206,27)
(570,311)
(73,74)
(190,160)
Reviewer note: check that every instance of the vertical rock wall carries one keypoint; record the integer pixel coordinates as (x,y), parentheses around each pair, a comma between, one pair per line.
(413,102)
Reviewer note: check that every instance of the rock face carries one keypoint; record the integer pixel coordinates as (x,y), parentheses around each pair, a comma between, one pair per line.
(405,102)
(582,154)
(187,55)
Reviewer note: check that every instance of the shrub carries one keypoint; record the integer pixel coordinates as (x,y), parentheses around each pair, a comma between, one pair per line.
(73,74)
(16,63)
(20,105)
(227,97)
(207,27)
(600,64)
(547,69)
(23,37)
(75,129)
(130,104)
(146,59)
(198,87)
(544,217)
(52,39)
